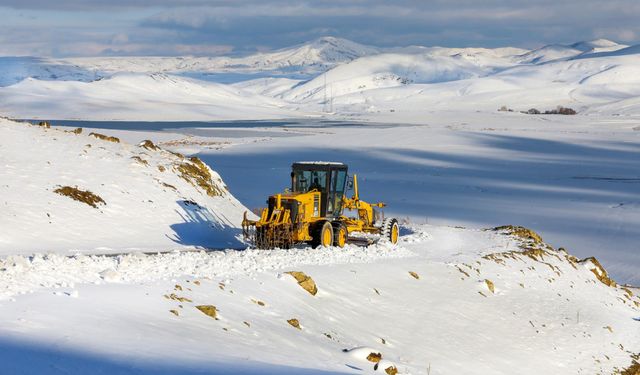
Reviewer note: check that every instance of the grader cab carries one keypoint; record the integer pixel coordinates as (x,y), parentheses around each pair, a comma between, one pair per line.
(312,211)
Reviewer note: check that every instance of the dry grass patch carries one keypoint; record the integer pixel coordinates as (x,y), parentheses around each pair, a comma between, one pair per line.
(83,196)
(176,297)
(600,272)
(76,131)
(148,145)
(634,369)
(197,174)
(305,281)
(140,160)
(522,232)
(414,275)
(105,137)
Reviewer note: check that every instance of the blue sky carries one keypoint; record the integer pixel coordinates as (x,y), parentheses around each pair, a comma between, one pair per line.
(197,27)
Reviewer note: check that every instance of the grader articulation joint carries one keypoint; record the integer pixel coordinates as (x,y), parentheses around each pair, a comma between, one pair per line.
(313,212)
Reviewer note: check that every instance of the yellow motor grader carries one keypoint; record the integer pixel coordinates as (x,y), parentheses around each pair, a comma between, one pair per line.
(312,212)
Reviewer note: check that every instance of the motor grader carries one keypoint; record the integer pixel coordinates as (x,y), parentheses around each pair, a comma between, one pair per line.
(312,211)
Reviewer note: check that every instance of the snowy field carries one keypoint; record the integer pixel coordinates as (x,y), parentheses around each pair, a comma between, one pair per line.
(114,282)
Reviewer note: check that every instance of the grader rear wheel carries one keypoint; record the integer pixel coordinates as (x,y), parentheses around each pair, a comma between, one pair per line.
(339,234)
(322,235)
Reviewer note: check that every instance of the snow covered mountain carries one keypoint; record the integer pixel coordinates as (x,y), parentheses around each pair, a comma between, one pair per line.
(300,60)
(328,74)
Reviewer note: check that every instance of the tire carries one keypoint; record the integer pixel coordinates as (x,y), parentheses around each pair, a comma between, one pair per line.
(322,235)
(390,230)
(340,234)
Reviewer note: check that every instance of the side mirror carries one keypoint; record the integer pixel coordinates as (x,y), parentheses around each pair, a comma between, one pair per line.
(350,183)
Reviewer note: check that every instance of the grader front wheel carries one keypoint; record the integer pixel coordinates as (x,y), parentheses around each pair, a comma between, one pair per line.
(390,230)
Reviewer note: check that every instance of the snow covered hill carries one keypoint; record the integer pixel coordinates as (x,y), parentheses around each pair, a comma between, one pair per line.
(132,96)
(67,192)
(16,69)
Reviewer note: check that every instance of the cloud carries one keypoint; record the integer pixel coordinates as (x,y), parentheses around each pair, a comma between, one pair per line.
(221,26)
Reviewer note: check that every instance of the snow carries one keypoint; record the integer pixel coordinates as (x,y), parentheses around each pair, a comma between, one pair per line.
(114,289)
(543,316)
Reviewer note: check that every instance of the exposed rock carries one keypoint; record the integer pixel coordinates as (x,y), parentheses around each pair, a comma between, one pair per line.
(415,275)
(306,282)
(209,310)
(374,357)
(391,370)
(294,323)
(490,285)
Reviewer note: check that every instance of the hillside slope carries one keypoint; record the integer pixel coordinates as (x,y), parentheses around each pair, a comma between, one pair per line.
(145,199)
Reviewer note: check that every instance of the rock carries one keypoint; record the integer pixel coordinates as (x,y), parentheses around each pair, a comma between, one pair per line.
(490,285)
(306,282)
(374,357)
(294,323)
(209,310)
(415,275)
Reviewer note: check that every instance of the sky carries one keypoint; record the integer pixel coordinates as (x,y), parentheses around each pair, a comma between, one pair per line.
(62,28)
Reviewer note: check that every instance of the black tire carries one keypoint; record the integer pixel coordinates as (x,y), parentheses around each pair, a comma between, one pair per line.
(390,230)
(317,234)
(340,234)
